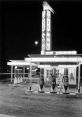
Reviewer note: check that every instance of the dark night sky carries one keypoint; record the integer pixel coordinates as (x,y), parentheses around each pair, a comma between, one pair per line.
(20,26)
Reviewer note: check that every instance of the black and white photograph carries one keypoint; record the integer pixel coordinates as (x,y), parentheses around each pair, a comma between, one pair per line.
(40,58)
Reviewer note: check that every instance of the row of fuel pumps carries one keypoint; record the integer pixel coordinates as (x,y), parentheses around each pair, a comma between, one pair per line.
(59,77)
(62,78)
(20,73)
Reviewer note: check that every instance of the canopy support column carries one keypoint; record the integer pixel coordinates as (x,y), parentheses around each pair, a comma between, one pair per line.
(30,75)
(11,73)
(79,78)
(23,72)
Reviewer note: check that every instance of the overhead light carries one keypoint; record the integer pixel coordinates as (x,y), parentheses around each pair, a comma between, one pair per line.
(55,59)
(15,67)
(68,66)
(43,66)
(66,52)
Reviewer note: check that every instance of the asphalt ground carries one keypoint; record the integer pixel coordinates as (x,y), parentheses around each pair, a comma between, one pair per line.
(14,102)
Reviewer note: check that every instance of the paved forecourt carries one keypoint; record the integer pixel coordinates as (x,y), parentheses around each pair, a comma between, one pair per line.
(3,115)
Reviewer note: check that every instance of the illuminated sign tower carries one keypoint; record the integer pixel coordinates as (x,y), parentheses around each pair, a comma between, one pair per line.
(46,28)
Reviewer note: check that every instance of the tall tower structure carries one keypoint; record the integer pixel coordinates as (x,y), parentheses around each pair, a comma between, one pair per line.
(46,28)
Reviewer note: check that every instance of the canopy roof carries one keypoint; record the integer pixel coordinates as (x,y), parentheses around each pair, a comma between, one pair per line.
(46,59)
(54,58)
(19,63)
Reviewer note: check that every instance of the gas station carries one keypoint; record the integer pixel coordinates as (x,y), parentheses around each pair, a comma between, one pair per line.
(57,63)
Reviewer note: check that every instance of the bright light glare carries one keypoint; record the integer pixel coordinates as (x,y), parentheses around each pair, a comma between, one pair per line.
(43,66)
(67,66)
(14,63)
(42,52)
(49,53)
(36,42)
(27,68)
(55,59)
(66,52)
(15,67)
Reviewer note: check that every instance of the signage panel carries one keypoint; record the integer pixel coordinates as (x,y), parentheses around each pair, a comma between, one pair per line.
(46,27)
(72,76)
(48,31)
(43,31)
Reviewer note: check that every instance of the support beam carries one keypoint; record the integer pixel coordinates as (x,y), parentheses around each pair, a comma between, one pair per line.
(11,73)
(41,79)
(23,72)
(79,78)
(30,75)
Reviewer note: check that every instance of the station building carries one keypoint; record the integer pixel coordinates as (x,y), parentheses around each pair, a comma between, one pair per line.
(60,63)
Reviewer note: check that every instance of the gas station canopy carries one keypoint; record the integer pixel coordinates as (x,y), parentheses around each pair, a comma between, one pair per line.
(19,63)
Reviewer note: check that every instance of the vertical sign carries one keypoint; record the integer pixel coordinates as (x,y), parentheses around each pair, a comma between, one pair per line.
(43,31)
(46,27)
(72,76)
(48,31)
